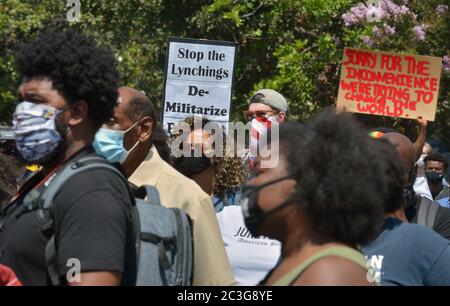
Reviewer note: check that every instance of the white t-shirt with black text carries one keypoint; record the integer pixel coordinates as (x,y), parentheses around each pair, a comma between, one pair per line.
(251,258)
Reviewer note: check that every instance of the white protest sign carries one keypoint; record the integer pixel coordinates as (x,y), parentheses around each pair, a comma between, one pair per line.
(198,81)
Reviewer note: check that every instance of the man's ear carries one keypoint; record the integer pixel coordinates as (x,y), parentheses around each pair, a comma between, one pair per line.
(281,116)
(78,112)
(145,129)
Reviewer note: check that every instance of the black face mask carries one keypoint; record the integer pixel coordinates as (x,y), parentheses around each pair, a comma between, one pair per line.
(253,214)
(190,166)
(433,177)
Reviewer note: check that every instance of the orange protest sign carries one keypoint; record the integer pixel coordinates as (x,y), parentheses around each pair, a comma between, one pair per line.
(389,84)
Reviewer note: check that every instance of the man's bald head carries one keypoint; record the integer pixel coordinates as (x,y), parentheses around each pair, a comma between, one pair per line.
(135,104)
(404,147)
(128,93)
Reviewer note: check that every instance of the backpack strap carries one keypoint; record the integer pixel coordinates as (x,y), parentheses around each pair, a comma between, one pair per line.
(51,260)
(46,200)
(427,212)
(149,192)
(55,184)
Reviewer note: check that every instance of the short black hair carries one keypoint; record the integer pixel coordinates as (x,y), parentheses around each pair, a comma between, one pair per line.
(342,185)
(438,158)
(77,67)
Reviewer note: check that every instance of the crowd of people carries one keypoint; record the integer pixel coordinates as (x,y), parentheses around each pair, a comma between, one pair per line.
(342,206)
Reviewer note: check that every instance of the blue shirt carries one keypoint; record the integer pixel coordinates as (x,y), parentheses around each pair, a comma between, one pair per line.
(408,255)
(445,202)
(233,198)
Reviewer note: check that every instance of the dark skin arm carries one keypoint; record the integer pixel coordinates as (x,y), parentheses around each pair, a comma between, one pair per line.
(420,141)
(98,278)
(333,271)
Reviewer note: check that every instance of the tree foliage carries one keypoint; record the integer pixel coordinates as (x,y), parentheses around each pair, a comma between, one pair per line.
(293,46)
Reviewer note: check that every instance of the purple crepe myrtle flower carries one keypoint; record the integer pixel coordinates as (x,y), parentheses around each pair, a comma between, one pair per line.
(368,41)
(446,63)
(376,32)
(419,31)
(389,30)
(441,9)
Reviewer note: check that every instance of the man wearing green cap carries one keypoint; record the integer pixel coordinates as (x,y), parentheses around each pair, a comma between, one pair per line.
(266,107)
(267,103)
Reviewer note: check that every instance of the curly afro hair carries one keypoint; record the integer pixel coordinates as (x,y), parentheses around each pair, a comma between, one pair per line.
(342,184)
(77,67)
(395,174)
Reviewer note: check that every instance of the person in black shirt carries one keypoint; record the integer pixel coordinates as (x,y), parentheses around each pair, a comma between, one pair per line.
(409,211)
(69,89)
(435,167)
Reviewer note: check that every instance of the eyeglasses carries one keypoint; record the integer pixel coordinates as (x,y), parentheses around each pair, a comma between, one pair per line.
(258,114)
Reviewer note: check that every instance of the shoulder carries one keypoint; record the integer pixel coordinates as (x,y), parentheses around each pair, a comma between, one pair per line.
(333,270)
(413,231)
(101,185)
(421,239)
(179,181)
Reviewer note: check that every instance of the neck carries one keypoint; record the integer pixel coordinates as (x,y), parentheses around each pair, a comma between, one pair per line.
(64,155)
(137,157)
(292,236)
(398,214)
(205,179)
(435,188)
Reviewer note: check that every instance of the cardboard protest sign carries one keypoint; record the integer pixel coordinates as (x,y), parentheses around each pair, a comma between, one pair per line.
(198,80)
(389,84)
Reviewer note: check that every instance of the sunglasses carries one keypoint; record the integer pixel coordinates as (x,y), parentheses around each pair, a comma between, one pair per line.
(258,114)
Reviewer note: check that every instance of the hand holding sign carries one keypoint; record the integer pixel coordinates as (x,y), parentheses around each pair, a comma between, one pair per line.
(423,123)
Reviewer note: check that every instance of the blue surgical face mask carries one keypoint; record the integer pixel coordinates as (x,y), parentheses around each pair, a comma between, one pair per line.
(35,131)
(109,144)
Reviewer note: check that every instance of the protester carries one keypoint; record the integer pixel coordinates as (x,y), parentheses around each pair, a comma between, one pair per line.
(405,254)
(421,185)
(309,202)
(142,149)
(266,107)
(129,146)
(68,90)
(268,104)
(202,168)
(436,166)
(440,222)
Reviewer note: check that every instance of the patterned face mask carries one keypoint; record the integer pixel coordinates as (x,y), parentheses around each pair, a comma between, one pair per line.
(37,138)
(259,127)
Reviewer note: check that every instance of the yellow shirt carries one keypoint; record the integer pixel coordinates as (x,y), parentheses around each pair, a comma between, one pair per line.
(211,265)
